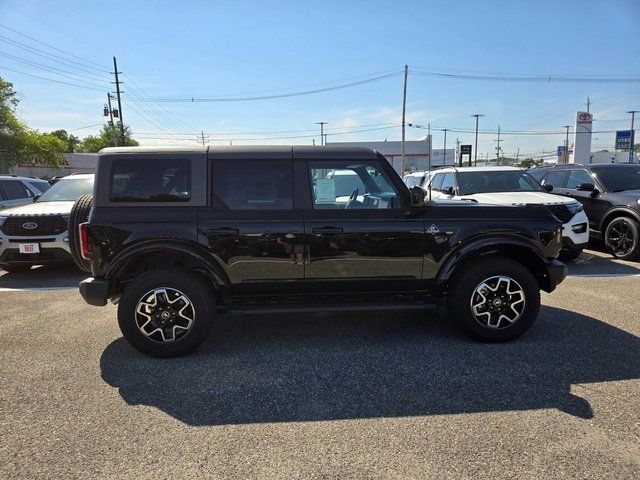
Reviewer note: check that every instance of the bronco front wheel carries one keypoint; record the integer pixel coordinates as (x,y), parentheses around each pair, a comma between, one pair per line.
(494,299)
(166,312)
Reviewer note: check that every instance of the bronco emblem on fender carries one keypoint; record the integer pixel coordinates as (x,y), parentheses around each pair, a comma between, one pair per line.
(433,229)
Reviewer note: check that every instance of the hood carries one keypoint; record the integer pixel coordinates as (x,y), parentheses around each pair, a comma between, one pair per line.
(517,198)
(39,208)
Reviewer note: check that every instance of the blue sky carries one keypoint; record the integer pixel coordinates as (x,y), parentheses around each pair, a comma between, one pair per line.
(189,48)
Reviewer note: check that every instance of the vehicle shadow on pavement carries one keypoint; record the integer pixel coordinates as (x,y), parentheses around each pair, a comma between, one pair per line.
(328,367)
(45,276)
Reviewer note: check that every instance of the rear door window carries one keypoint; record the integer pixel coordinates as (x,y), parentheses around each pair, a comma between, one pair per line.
(253,184)
(150,180)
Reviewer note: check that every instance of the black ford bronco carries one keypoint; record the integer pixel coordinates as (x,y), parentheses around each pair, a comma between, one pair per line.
(174,236)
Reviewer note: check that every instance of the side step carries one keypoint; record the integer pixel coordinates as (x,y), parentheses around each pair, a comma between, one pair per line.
(324,307)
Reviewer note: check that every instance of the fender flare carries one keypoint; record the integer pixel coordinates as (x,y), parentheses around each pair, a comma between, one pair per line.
(213,268)
(627,211)
(485,246)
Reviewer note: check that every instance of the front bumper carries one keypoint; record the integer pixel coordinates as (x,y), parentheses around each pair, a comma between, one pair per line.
(95,291)
(53,249)
(556,273)
(575,233)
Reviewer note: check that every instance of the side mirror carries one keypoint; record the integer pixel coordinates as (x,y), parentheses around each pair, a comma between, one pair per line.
(448,191)
(36,197)
(417,196)
(586,187)
(548,188)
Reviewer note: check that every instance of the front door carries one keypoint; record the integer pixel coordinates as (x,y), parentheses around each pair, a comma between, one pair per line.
(594,206)
(359,234)
(252,228)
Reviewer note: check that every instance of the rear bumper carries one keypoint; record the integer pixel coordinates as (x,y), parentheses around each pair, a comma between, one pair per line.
(95,291)
(557,272)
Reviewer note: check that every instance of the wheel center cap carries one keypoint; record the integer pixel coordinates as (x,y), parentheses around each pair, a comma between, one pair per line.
(497,302)
(165,315)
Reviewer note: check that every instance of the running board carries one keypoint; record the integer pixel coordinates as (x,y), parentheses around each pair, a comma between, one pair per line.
(321,307)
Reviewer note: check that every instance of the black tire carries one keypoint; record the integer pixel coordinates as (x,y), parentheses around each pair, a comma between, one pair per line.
(462,292)
(568,255)
(15,267)
(622,238)
(79,214)
(197,292)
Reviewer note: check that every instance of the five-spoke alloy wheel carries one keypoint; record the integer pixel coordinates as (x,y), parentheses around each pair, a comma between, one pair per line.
(622,237)
(494,299)
(166,312)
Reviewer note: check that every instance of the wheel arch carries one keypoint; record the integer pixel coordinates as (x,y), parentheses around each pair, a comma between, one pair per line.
(142,257)
(521,252)
(617,212)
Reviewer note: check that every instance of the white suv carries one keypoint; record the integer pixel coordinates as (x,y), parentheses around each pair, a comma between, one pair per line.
(37,233)
(513,186)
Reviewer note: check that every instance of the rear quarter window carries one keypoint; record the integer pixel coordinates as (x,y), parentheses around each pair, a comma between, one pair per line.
(150,180)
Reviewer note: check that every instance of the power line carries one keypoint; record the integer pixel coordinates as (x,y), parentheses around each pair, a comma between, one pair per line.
(54,70)
(52,80)
(52,56)
(530,78)
(51,46)
(269,97)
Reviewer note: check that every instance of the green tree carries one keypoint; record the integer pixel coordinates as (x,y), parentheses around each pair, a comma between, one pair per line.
(20,144)
(70,140)
(529,163)
(107,137)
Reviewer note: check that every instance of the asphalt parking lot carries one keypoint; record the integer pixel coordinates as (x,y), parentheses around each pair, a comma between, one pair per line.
(324,396)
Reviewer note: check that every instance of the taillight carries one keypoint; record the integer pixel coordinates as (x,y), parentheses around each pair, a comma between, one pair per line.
(85,247)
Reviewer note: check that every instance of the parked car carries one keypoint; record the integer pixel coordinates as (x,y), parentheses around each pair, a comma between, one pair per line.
(185,233)
(37,233)
(610,195)
(513,186)
(16,190)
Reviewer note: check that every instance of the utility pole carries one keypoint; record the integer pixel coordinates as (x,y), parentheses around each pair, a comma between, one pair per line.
(566,144)
(430,148)
(498,147)
(444,159)
(475,151)
(631,152)
(458,151)
(201,138)
(404,110)
(588,104)
(117,82)
(113,130)
(322,124)
(518,155)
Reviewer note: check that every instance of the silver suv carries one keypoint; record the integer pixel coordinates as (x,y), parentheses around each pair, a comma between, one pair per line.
(16,190)
(37,233)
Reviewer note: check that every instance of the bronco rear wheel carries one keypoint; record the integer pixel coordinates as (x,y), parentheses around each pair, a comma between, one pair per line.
(495,299)
(166,312)
(79,214)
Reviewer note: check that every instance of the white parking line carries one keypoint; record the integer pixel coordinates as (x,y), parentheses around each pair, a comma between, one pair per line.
(35,289)
(603,275)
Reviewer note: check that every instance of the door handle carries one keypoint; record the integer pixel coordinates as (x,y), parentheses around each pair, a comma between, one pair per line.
(223,231)
(329,230)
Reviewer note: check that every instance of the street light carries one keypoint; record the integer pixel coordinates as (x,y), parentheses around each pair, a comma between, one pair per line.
(475,151)
(444,160)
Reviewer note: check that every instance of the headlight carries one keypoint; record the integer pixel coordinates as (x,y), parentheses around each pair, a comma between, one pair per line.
(574,207)
(2,219)
(638,200)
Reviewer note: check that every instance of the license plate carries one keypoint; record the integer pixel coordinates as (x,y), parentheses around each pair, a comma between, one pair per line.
(29,248)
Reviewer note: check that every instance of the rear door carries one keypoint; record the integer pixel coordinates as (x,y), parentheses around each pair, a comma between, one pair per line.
(251,227)
(363,243)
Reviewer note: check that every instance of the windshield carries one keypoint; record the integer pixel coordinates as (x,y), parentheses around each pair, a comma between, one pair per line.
(619,179)
(68,190)
(496,181)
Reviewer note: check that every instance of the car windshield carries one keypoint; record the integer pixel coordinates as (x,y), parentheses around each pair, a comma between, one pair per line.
(496,181)
(346,181)
(619,179)
(68,190)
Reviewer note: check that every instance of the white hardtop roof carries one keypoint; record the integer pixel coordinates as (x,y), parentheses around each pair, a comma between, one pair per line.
(478,169)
